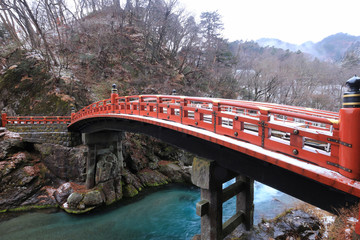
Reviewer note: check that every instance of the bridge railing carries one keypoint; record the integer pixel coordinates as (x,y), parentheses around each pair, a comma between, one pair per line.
(35,120)
(307,134)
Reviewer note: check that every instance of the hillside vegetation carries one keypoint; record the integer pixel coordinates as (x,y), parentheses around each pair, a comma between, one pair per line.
(71,55)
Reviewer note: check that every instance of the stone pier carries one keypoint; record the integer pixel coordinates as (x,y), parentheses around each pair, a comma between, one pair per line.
(209,176)
(105,154)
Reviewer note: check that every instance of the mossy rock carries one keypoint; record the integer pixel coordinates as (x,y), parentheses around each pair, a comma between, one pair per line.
(77,211)
(130,191)
(93,198)
(31,207)
(152,178)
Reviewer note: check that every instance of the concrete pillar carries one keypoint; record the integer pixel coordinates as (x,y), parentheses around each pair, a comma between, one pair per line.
(209,177)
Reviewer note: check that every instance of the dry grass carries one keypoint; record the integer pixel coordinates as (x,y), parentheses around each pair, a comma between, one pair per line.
(337,227)
(344,224)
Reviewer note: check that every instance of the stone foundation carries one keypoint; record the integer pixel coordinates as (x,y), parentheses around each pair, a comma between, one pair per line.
(46,133)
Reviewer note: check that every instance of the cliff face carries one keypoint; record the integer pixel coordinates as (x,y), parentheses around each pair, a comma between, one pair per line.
(36,175)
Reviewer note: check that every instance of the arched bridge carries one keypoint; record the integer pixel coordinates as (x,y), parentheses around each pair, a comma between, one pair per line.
(311,154)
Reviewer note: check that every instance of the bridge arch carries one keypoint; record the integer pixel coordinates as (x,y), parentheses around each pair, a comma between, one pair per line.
(287,181)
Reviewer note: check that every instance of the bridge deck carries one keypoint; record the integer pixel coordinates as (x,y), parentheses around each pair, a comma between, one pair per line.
(320,174)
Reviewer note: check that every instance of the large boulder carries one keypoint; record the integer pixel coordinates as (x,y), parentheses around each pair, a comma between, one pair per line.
(20,182)
(107,167)
(152,178)
(292,224)
(130,191)
(174,172)
(65,163)
(62,193)
(92,198)
(131,179)
(112,190)
(74,199)
(10,146)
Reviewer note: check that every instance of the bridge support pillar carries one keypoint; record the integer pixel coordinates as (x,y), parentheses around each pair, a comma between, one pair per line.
(102,143)
(91,166)
(210,177)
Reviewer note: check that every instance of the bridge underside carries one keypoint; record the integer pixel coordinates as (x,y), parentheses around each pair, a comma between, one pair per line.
(282,179)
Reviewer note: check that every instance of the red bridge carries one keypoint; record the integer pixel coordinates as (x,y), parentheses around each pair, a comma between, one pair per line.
(311,154)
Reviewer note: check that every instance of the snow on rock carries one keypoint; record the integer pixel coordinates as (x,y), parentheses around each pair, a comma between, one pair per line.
(62,193)
(352,220)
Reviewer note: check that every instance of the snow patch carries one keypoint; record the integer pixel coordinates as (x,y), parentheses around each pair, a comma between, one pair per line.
(352,220)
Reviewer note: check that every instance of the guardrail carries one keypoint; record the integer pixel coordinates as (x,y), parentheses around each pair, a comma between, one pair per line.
(34,120)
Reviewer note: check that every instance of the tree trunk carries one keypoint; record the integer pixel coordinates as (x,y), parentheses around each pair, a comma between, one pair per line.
(48,50)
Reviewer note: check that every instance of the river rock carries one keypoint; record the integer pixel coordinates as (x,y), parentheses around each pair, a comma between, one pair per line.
(130,191)
(174,172)
(298,224)
(62,193)
(292,224)
(74,199)
(152,178)
(132,179)
(112,190)
(93,198)
(107,167)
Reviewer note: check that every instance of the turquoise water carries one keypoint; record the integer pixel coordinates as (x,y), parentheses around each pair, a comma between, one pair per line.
(169,213)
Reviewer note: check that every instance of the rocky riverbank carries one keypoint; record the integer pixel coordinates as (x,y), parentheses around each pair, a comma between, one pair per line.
(292,224)
(48,175)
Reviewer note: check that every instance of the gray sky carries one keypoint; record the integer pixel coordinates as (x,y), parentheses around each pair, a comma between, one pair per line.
(294,21)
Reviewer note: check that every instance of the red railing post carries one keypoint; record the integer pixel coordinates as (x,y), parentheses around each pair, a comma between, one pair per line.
(334,147)
(114,95)
(3,118)
(216,109)
(183,113)
(140,105)
(127,105)
(264,118)
(159,109)
(72,112)
(349,155)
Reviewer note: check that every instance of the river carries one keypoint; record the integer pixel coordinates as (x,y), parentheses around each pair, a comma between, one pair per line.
(168,213)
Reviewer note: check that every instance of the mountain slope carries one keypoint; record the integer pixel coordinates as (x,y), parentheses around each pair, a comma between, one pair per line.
(331,48)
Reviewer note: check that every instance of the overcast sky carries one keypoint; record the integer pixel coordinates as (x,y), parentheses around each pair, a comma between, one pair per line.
(294,21)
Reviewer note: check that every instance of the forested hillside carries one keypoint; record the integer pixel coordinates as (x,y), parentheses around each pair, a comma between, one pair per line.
(331,49)
(147,46)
